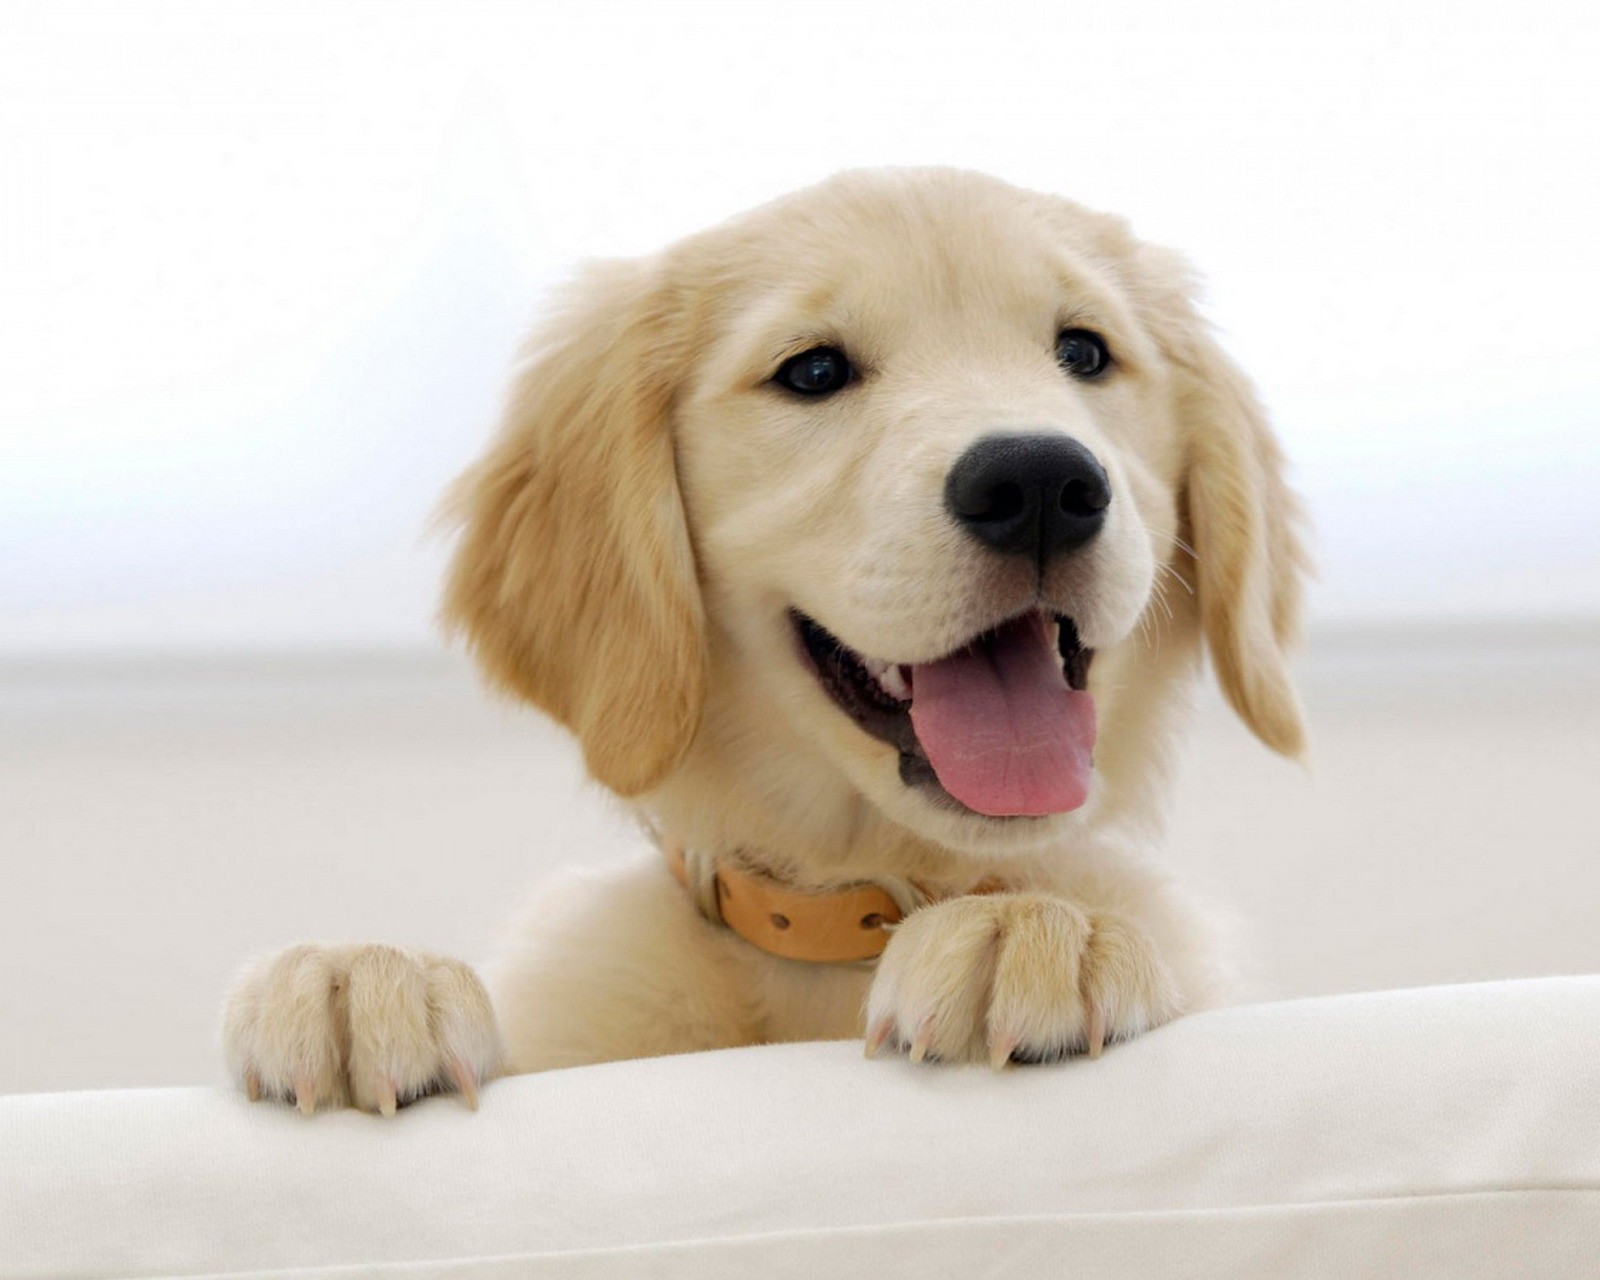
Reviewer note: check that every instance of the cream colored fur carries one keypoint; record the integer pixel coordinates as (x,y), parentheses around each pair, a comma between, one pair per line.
(632,544)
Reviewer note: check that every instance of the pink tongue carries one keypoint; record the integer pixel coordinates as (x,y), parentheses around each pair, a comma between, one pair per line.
(1001,728)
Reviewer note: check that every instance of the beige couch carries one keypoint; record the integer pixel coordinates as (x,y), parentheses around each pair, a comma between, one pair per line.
(1448,1133)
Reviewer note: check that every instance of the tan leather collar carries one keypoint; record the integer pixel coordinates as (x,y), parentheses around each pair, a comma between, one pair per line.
(851,922)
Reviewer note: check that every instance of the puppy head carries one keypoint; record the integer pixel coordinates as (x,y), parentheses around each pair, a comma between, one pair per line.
(865,480)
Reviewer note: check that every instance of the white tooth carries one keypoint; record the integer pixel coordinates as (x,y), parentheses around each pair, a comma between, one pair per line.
(894,683)
(874,666)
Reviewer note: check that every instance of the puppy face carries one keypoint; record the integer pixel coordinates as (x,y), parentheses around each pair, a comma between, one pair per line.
(893,468)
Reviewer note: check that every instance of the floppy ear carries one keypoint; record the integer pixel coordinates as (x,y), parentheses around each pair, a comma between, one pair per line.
(1244,526)
(574,579)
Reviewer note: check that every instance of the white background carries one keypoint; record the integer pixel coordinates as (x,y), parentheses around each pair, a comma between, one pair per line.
(264,267)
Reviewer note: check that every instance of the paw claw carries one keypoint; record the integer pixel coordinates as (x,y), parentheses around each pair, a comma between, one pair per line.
(1097,1030)
(877,1035)
(466,1081)
(1000,1052)
(919,1042)
(252,1085)
(386,1099)
(305,1094)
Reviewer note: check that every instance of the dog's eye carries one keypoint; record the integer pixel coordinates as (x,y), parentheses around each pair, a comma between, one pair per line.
(1082,353)
(818,372)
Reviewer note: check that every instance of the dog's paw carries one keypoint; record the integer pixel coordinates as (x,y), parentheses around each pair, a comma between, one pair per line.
(363,1026)
(1015,977)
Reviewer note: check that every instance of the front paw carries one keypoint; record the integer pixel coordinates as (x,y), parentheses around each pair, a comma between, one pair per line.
(1024,976)
(363,1026)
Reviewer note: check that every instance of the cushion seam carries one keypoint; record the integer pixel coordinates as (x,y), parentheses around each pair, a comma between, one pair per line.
(1022,1219)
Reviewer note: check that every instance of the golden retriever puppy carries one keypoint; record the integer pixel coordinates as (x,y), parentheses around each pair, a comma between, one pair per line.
(867,544)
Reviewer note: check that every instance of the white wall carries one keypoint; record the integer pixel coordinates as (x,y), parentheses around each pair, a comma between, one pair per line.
(263,267)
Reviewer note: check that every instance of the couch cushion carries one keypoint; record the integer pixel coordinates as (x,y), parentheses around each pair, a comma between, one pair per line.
(1449,1132)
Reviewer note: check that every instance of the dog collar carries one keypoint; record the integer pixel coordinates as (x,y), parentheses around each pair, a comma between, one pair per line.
(849,922)
(835,925)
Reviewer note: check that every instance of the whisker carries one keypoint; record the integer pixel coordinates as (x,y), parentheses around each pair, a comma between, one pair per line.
(1187,585)
(1166,605)
(1159,595)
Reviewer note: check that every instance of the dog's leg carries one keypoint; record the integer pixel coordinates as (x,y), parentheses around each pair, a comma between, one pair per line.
(364,1026)
(604,965)
(1038,976)
(617,963)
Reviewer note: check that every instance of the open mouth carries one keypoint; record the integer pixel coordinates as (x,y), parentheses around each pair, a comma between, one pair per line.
(1004,726)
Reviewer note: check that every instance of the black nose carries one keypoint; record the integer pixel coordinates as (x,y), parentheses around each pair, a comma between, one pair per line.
(1039,494)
